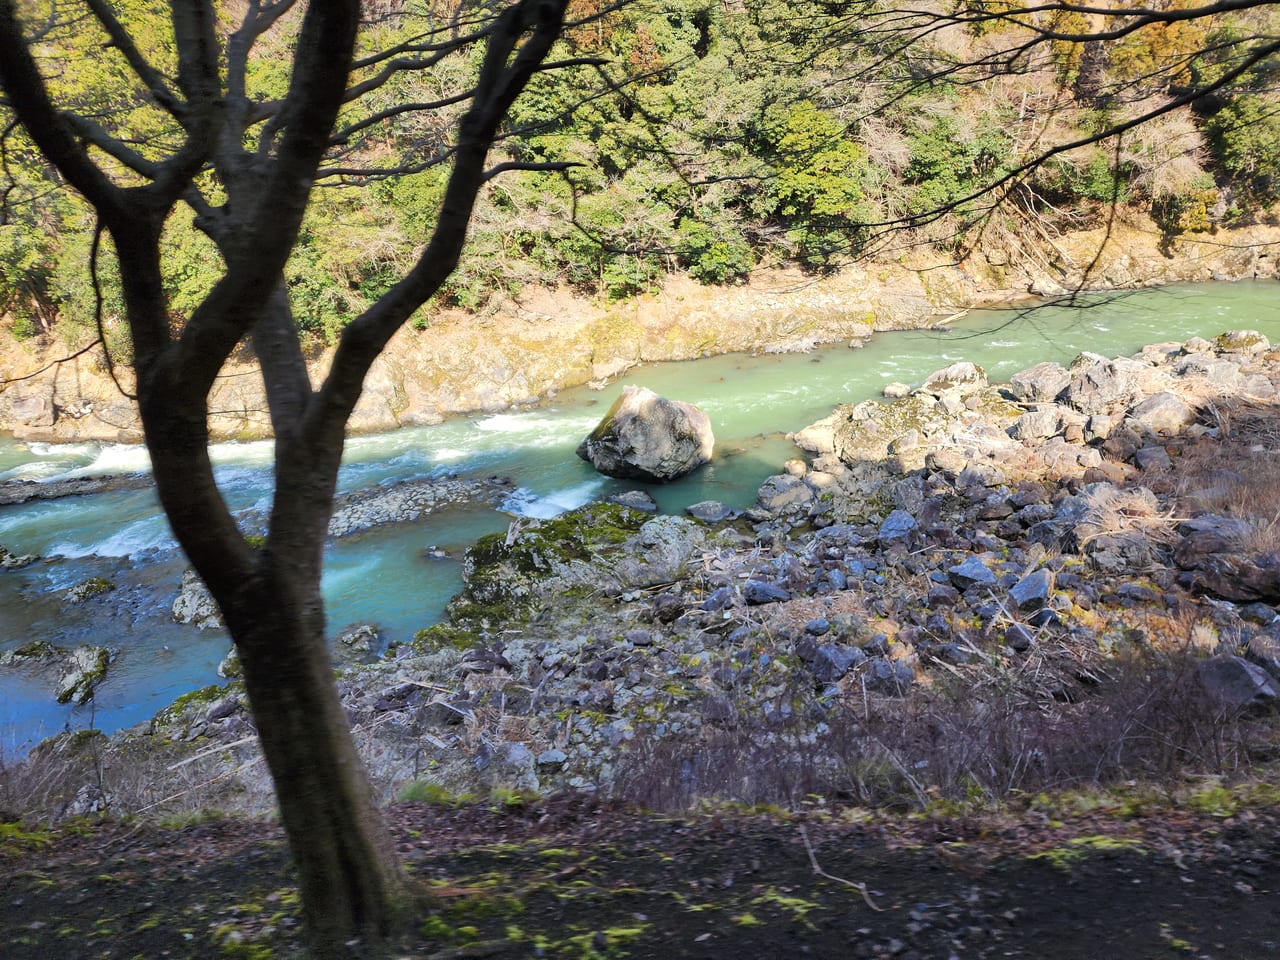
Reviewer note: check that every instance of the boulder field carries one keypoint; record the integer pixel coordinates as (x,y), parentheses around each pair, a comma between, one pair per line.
(961,586)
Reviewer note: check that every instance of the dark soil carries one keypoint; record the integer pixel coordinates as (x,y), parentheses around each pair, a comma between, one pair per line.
(573,877)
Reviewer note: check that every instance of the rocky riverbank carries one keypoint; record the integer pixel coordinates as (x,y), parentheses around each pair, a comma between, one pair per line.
(551,340)
(1071,577)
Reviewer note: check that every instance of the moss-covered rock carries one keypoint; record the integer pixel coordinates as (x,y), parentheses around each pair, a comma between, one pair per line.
(505,571)
(85,667)
(34,651)
(443,636)
(88,589)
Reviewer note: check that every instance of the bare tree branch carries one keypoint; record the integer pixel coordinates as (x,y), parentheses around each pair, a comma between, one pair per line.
(151,78)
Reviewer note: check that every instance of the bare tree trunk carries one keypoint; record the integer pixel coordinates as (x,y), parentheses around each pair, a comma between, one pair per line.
(352,888)
(348,877)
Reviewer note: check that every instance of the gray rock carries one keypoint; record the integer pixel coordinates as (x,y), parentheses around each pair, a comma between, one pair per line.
(1099,385)
(963,378)
(357,644)
(1208,534)
(85,668)
(1032,591)
(650,438)
(948,461)
(1243,341)
(659,553)
(895,391)
(195,604)
(551,760)
(1264,650)
(1225,373)
(1098,427)
(906,442)
(34,652)
(898,526)
(1152,458)
(12,561)
(888,676)
(718,599)
(1164,412)
(972,572)
(758,592)
(831,661)
(89,800)
(709,511)
(224,708)
(1034,424)
(1127,551)
(782,491)
(1019,638)
(229,667)
(1040,383)
(908,494)
(88,589)
(1237,684)
(980,475)
(410,500)
(636,500)
(1239,577)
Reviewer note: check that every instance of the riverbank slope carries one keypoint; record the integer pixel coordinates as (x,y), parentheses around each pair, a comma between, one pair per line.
(552,340)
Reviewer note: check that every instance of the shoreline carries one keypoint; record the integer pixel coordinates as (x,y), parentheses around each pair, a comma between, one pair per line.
(553,340)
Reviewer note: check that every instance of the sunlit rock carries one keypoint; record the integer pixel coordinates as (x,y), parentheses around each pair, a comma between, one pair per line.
(649,438)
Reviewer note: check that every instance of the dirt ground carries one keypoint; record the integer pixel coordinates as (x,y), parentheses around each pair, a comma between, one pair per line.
(574,877)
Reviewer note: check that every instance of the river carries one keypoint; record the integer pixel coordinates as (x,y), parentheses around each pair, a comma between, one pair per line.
(383,576)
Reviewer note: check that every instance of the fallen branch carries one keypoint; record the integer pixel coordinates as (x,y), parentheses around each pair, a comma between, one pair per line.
(817,868)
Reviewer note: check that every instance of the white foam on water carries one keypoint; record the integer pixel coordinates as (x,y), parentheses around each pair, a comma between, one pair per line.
(117,458)
(538,428)
(249,453)
(141,535)
(525,503)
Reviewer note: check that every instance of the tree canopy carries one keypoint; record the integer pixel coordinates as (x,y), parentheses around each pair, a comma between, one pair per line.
(701,137)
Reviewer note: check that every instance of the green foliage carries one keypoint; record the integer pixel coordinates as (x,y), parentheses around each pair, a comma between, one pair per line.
(713,256)
(1187,212)
(816,185)
(950,161)
(737,135)
(1245,137)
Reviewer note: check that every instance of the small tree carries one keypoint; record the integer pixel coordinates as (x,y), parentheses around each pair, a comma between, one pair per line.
(247,165)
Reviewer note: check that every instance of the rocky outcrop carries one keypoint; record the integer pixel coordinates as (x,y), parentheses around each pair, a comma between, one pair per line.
(76,673)
(21,491)
(195,604)
(88,589)
(411,500)
(649,438)
(84,668)
(13,561)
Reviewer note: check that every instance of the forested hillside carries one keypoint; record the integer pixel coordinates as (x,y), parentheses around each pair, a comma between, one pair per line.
(699,136)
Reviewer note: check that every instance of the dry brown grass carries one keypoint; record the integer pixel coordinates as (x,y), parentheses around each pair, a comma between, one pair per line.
(1238,474)
(984,734)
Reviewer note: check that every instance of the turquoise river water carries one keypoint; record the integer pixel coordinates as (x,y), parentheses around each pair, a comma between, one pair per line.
(383,576)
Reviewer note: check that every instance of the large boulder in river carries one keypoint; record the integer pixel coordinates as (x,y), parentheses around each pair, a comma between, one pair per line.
(649,438)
